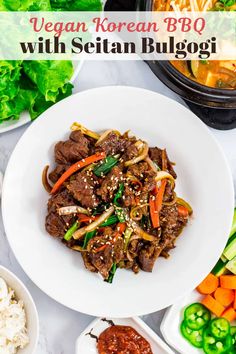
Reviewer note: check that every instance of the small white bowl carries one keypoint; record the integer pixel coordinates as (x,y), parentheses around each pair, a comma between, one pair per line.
(85,344)
(31,313)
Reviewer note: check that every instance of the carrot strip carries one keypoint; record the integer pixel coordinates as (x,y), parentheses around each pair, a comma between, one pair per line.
(121,226)
(229,314)
(234,304)
(208,285)
(228,281)
(160,195)
(182,211)
(76,167)
(154,212)
(87,219)
(224,296)
(213,305)
(99,249)
(155,203)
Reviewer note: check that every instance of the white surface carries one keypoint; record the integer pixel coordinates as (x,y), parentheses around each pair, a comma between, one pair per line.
(87,345)
(170,326)
(24,196)
(25,117)
(31,313)
(55,319)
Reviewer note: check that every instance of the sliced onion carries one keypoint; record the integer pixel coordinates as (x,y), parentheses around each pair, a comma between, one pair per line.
(103,136)
(136,209)
(45,182)
(172,202)
(134,237)
(72,209)
(151,164)
(183,202)
(165,175)
(142,156)
(129,257)
(81,232)
(140,232)
(78,126)
(78,248)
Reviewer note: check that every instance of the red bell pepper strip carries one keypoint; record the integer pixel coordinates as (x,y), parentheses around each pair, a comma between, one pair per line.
(76,167)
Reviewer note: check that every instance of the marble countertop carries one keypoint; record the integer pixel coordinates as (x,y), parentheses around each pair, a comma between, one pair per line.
(60,326)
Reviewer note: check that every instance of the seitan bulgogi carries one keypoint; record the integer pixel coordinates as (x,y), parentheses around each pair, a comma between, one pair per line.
(113,200)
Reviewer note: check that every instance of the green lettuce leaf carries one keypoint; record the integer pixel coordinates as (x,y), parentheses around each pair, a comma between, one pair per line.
(76,5)
(25,5)
(31,100)
(49,75)
(39,104)
(9,78)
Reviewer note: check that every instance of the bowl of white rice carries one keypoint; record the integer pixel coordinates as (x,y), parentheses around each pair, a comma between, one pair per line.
(19,324)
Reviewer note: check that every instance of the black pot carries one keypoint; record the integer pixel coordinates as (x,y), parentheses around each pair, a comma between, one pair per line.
(215,107)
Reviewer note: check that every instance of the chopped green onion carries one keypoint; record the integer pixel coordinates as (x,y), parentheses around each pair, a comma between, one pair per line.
(88,237)
(113,219)
(127,235)
(120,214)
(112,273)
(71,230)
(203,61)
(105,166)
(119,194)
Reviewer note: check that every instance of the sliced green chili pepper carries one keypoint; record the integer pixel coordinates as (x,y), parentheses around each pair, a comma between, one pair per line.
(119,194)
(112,273)
(105,166)
(113,219)
(196,316)
(88,237)
(192,336)
(219,328)
(212,345)
(233,335)
(68,235)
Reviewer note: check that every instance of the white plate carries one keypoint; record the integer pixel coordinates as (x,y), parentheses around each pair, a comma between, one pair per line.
(87,345)
(23,294)
(25,117)
(204,180)
(170,326)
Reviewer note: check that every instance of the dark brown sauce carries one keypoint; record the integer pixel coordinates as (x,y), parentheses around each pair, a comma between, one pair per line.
(122,340)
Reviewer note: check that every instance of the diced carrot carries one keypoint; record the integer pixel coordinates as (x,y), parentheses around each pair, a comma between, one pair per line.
(224,296)
(228,281)
(208,285)
(213,305)
(229,314)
